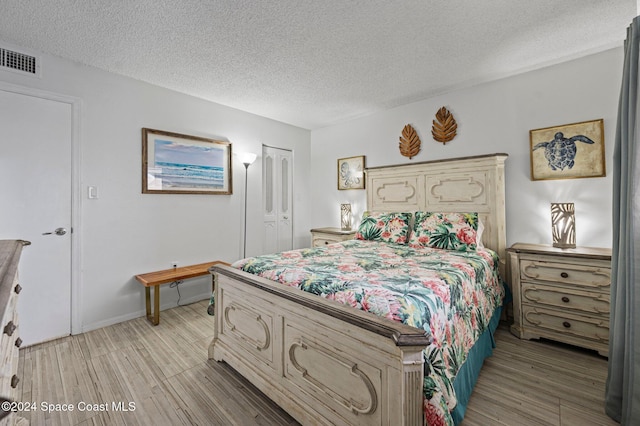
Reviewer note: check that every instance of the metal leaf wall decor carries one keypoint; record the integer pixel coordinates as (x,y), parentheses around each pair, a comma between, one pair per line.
(409,142)
(444,130)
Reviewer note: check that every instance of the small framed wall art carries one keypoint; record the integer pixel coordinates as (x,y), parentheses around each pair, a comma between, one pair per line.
(351,173)
(181,164)
(567,152)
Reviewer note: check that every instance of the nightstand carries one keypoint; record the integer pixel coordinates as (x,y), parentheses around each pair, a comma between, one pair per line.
(561,294)
(323,236)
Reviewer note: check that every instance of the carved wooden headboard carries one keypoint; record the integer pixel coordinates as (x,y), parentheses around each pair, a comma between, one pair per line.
(468,184)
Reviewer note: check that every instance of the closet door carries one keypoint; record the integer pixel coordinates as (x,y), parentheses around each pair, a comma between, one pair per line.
(277,169)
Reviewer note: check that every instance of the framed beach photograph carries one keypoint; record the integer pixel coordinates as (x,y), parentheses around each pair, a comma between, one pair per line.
(568,151)
(351,173)
(181,164)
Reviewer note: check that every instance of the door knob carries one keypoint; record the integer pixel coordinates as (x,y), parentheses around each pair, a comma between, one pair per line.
(58,231)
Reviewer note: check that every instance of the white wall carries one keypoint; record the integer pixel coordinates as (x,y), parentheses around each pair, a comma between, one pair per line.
(492,117)
(125,232)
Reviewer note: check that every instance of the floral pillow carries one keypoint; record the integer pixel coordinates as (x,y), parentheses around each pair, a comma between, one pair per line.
(387,227)
(449,231)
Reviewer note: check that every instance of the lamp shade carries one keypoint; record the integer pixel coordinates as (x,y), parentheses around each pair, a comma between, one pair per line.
(246,158)
(563,225)
(345,216)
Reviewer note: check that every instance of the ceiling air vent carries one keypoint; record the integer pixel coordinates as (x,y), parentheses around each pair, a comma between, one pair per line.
(17,61)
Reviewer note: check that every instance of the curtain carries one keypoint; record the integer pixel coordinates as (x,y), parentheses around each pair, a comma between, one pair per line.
(622,398)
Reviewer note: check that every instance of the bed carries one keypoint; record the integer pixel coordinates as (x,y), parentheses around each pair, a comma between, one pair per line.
(325,362)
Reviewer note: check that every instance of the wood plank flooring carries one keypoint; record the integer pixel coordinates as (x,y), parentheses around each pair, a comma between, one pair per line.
(162,370)
(165,373)
(539,383)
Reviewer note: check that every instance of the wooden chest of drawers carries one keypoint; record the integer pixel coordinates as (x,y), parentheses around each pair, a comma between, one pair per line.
(323,236)
(561,295)
(9,340)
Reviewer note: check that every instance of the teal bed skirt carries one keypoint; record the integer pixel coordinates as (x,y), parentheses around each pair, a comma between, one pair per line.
(468,374)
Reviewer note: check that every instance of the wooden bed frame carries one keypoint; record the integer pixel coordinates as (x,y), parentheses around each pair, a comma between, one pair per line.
(326,363)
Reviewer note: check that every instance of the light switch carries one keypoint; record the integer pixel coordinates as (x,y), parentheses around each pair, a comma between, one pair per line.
(92,192)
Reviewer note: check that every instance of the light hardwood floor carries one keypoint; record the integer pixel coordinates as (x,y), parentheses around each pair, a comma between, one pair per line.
(539,383)
(165,373)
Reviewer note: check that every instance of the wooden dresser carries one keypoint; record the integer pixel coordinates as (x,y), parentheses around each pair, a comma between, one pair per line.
(323,236)
(10,251)
(561,295)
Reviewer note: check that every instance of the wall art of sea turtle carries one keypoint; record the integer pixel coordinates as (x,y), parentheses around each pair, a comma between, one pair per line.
(561,151)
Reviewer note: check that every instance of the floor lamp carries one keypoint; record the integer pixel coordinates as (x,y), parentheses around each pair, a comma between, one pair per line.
(246,158)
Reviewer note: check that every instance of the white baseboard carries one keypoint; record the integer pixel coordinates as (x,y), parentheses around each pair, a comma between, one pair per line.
(142,313)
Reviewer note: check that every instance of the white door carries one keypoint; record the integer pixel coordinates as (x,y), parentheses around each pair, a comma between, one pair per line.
(277,170)
(35,197)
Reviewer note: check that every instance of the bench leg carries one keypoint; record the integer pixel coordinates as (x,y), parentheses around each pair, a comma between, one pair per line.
(155,318)
(147,300)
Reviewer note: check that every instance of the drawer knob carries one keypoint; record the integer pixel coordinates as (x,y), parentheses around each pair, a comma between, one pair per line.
(564,275)
(566,324)
(14,381)
(9,328)
(326,242)
(17,288)
(565,299)
(18,342)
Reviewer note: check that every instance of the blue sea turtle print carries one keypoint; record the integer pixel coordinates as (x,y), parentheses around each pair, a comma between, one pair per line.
(561,152)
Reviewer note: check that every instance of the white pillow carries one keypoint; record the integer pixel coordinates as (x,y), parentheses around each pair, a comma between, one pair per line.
(479,233)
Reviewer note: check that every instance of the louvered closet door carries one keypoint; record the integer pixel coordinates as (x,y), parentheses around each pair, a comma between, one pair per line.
(277,169)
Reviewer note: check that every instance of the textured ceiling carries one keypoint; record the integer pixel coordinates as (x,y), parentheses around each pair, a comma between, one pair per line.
(313,63)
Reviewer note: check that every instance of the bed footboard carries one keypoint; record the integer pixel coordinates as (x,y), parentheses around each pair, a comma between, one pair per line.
(322,362)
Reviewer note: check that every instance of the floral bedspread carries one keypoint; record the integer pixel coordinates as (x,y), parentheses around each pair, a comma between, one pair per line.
(449,294)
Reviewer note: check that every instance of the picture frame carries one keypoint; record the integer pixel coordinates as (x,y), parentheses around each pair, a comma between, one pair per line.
(173,163)
(569,151)
(351,173)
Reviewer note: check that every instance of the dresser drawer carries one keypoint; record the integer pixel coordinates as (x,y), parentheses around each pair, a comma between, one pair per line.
(8,349)
(592,277)
(324,236)
(8,377)
(9,333)
(561,295)
(580,326)
(323,240)
(565,298)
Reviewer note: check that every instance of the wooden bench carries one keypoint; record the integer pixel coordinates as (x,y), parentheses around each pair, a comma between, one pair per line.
(156,279)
